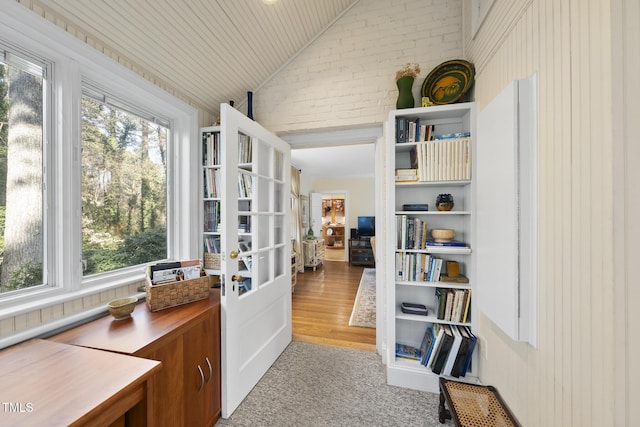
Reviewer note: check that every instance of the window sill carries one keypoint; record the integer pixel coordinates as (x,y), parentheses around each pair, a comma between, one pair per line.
(59,296)
(47,328)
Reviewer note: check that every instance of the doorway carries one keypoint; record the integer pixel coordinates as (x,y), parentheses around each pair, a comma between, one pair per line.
(334,220)
(349,159)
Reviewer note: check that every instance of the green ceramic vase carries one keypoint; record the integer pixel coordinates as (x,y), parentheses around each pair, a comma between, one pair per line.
(405,97)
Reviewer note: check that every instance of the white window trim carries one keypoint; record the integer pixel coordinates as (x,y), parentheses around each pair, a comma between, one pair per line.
(74,60)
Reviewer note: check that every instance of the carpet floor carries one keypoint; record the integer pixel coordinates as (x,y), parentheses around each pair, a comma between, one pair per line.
(315,385)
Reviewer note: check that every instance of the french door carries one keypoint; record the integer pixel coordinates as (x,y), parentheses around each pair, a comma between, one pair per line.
(256,254)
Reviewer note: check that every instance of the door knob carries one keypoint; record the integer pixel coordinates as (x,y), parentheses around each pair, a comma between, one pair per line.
(233,254)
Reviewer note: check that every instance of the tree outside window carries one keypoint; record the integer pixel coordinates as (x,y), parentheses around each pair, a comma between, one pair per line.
(21,175)
(124,188)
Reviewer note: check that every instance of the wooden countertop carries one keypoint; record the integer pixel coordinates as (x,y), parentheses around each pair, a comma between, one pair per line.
(139,334)
(44,383)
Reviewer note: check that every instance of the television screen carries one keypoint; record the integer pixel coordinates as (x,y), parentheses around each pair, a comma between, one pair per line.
(366,226)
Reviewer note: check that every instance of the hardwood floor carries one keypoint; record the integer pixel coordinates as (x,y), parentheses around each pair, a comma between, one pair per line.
(322,304)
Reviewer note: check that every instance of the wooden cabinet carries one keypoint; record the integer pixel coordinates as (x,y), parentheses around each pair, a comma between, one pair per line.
(415,179)
(333,236)
(186,339)
(201,374)
(361,252)
(313,251)
(46,383)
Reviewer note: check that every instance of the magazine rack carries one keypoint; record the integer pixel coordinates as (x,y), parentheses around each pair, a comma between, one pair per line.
(171,294)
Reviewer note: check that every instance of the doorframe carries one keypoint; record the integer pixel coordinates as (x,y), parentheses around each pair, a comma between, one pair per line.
(358,134)
(345,193)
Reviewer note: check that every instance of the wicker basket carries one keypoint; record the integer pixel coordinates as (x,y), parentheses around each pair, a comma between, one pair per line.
(211,261)
(171,294)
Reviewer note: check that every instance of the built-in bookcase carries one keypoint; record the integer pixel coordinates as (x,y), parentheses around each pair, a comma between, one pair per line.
(430,152)
(212,172)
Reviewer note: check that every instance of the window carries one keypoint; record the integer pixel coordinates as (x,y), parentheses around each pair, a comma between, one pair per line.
(104,179)
(124,187)
(22,222)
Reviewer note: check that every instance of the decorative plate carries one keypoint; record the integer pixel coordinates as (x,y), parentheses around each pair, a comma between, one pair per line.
(448,82)
(329,231)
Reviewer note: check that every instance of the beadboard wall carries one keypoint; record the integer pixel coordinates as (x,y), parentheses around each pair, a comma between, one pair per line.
(346,77)
(205,118)
(582,373)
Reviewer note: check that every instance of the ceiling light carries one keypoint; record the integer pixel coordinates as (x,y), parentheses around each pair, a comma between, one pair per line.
(269,1)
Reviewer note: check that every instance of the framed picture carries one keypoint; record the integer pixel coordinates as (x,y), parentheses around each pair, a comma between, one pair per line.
(304,211)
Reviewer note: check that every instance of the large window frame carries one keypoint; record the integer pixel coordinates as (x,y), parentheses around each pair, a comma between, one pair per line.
(72,63)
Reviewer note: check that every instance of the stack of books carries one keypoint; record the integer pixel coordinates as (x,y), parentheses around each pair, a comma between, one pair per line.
(406,175)
(445,349)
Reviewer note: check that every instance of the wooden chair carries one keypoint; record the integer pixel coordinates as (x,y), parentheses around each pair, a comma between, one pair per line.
(373,246)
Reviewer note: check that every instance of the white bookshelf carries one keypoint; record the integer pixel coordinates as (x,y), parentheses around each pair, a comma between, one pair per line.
(409,329)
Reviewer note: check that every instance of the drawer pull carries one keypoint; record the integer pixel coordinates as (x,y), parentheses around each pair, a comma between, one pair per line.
(210,370)
(201,378)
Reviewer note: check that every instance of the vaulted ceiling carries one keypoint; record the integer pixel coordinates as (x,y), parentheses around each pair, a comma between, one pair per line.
(210,51)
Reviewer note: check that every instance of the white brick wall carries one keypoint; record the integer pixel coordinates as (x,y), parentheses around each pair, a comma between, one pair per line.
(347,76)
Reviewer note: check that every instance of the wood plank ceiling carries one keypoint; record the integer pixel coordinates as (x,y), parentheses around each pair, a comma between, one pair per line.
(209,51)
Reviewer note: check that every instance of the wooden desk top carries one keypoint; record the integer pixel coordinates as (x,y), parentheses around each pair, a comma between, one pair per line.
(43,383)
(139,334)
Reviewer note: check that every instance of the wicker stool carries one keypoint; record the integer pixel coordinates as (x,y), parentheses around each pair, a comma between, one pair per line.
(473,405)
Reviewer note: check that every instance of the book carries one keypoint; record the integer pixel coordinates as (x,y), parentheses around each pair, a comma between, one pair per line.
(441,295)
(436,346)
(190,268)
(457,279)
(467,304)
(457,295)
(443,350)
(449,305)
(437,269)
(453,135)
(402,125)
(472,344)
(426,346)
(453,353)
(407,352)
(452,243)
(457,369)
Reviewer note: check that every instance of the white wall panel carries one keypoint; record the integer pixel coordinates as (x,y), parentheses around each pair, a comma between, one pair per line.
(569,379)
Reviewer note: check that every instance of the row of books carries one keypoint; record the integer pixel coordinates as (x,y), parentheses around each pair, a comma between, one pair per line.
(445,349)
(245,185)
(211,215)
(418,267)
(244,148)
(412,232)
(212,182)
(212,245)
(442,160)
(411,130)
(211,148)
(453,304)
(211,153)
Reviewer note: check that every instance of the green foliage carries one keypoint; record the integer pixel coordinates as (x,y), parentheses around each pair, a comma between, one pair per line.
(106,253)
(150,245)
(27,275)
